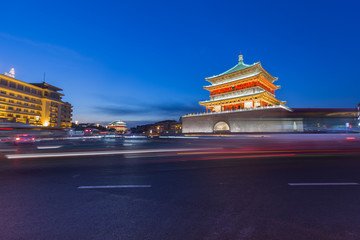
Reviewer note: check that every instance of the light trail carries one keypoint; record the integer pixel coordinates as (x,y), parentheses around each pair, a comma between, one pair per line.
(99,153)
(323,184)
(273,151)
(249,156)
(8,150)
(49,147)
(114,186)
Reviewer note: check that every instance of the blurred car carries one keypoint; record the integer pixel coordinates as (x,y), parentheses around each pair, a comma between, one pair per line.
(6,139)
(24,139)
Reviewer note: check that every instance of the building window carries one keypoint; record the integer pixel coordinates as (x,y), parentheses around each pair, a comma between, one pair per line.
(20,87)
(27,98)
(54,95)
(11,94)
(12,84)
(11,101)
(2,92)
(19,96)
(4,82)
(10,108)
(33,91)
(27,89)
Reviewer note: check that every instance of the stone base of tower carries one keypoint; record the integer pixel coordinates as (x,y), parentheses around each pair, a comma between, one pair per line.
(273,120)
(265,120)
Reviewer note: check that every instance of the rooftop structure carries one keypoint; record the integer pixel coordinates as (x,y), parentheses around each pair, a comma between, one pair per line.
(243,86)
(167,127)
(118,125)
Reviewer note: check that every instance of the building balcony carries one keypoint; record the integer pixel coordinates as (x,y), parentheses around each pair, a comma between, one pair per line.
(241,87)
(19,112)
(240,110)
(237,93)
(20,106)
(20,99)
(21,91)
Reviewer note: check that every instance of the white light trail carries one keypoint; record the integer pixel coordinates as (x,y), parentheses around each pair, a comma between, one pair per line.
(99,153)
(49,147)
(114,186)
(323,184)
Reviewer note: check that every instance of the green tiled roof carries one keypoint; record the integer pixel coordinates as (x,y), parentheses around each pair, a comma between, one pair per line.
(240,66)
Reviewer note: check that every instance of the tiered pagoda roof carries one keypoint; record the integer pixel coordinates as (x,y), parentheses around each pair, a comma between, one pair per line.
(240,84)
(240,71)
(240,66)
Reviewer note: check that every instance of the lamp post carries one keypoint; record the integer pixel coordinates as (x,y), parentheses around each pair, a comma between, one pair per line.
(37,120)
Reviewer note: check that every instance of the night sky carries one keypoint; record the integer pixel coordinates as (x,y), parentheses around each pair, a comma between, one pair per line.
(147,60)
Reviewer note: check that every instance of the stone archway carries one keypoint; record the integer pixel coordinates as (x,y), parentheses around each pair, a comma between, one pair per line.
(221,127)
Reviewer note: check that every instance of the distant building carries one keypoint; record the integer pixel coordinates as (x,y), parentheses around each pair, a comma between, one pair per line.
(242,99)
(118,125)
(37,104)
(167,127)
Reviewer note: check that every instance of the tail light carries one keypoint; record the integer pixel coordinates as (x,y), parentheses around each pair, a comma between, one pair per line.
(17,139)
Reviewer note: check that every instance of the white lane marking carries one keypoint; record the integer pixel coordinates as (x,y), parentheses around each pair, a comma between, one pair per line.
(98,153)
(49,147)
(323,184)
(114,186)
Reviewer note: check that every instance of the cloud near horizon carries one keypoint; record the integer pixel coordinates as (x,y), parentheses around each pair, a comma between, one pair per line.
(158,111)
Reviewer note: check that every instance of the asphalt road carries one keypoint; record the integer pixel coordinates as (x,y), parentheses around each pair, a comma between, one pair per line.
(222,189)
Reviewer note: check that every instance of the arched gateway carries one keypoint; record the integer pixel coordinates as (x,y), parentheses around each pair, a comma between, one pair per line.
(221,127)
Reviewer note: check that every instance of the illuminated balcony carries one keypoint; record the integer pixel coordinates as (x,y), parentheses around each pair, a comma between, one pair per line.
(240,110)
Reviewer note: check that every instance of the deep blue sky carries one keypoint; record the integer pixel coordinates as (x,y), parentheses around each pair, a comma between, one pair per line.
(147,60)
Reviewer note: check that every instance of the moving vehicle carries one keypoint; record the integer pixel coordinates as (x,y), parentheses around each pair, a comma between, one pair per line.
(91,132)
(24,138)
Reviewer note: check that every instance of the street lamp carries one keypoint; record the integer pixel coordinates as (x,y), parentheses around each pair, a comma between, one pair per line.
(37,118)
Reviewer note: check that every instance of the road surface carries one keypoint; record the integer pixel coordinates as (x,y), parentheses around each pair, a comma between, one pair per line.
(237,188)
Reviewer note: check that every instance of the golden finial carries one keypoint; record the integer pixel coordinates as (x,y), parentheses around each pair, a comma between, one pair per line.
(240,58)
